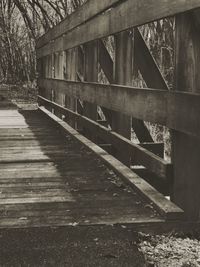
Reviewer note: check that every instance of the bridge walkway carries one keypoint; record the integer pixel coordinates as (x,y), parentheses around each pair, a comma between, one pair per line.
(48,178)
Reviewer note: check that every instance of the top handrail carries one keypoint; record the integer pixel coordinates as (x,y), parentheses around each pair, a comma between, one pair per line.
(85,12)
(126,14)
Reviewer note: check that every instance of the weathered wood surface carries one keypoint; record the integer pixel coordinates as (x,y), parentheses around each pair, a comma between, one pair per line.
(90,9)
(118,19)
(107,66)
(137,154)
(70,69)
(90,75)
(165,207)
(49,179)
(147,64)
(186,149)
(176,110)
(123,69)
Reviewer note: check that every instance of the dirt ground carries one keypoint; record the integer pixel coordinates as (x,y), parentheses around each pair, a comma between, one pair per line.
(73,247)
(103,246)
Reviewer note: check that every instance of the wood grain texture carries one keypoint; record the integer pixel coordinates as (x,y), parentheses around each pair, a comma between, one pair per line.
(70,69)
(118,19)
(136,153)
(87,11)
(186,149)
(107,66)
(146,63)
(54,180)
(90,75)
(167,208)
(121,123)
(176,110)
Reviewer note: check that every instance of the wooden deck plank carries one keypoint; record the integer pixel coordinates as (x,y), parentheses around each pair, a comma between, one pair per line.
(53,221)
(85,211)
(53,180)
(40,206)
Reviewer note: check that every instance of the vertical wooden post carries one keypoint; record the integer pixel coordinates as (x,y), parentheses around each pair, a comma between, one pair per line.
(123,75)
(70,74)
(91,75)
(55,73)
(61,76)
(106,64)
(59,97)
(51,90)
(40,74)
(80,77)
(80,62)
(46,66)
(51,74)
(186,149)
(46,73)
(49,66)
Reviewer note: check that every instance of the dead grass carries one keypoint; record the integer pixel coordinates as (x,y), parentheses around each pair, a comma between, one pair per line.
(21,92)
(170,251)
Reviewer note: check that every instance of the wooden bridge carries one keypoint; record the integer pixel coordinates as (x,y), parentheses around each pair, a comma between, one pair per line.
(72,161)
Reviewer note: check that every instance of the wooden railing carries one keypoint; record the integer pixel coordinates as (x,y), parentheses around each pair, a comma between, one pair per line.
(70,57)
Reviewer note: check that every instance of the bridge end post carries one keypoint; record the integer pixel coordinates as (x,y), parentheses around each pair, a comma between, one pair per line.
(185,148)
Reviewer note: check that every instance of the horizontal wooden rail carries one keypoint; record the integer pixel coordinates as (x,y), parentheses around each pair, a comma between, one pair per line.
(177,110)
(164,206)
(139,154)
(117,19)
(86,12)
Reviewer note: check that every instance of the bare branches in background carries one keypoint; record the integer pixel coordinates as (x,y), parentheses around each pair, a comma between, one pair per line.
(21,22)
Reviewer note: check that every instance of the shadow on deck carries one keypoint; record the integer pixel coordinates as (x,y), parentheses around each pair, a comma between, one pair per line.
(48,179)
